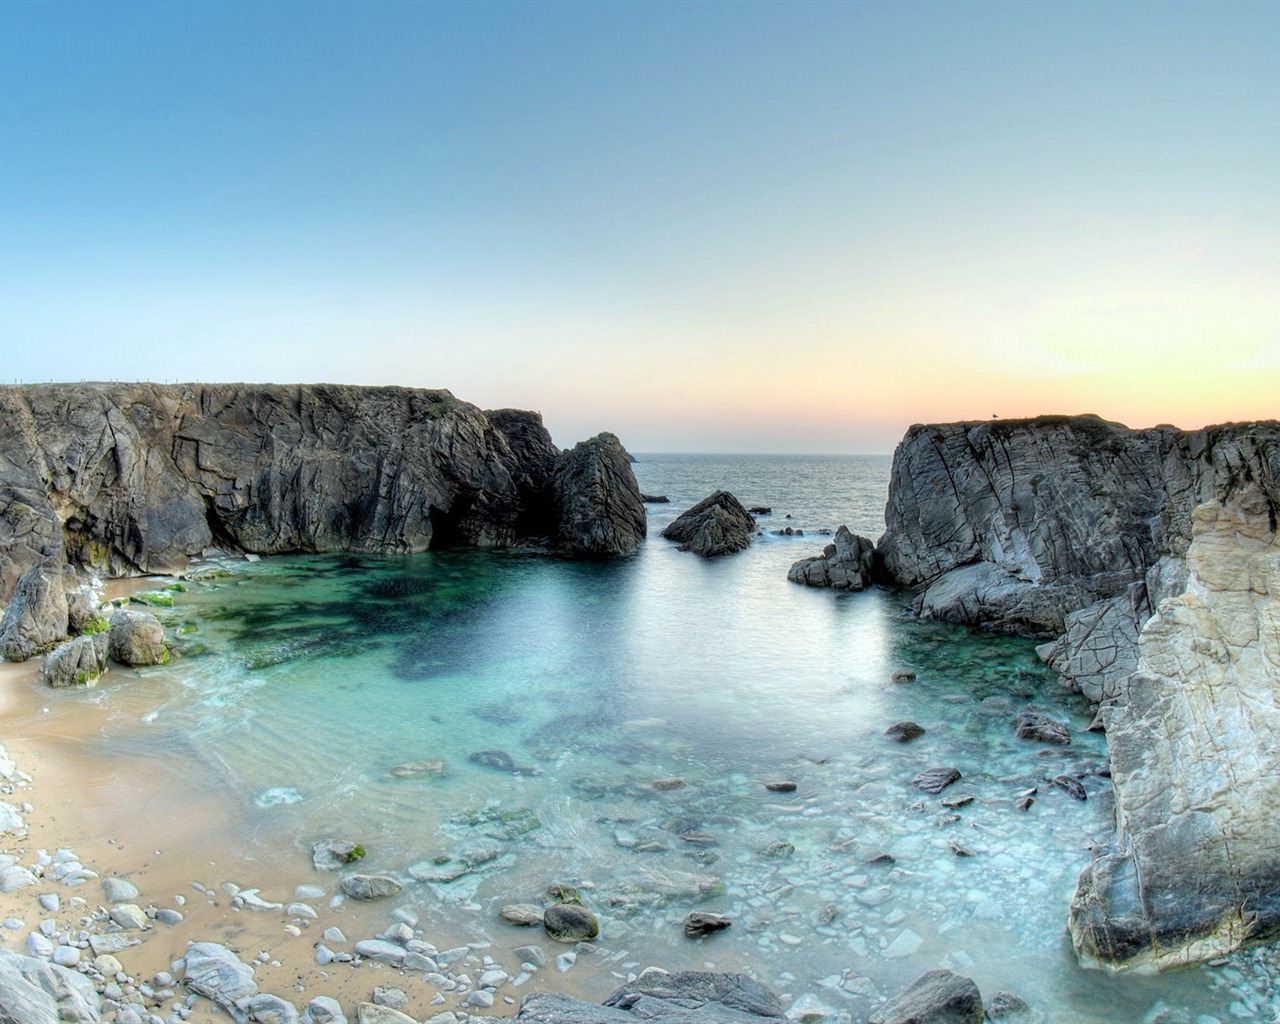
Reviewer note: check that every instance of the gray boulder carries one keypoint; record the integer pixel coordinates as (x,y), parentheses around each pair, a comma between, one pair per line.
(598,505)
(35,991)
(1032,725)
(717,525)
(704,997)
(370,887)
(216,973)
(77,662)
(324,1010)
(847,563)
(36,618)
(136,638)
(936,997)
(570,922)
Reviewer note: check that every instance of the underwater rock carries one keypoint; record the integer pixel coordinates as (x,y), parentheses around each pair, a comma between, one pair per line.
(1071,786)
(661,998)
(501,761)
(667,783)
(432,768)
(847,563)
(936,997)
(935,780)
(717,525)
(1032,725)
(698,923)
(904,732)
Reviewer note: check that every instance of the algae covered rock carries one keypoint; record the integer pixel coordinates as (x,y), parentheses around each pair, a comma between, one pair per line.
(136,638)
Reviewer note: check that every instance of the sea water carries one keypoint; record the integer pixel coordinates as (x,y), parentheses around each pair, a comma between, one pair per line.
(640,706)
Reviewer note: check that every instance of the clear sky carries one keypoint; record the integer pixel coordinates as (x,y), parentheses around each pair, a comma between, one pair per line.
(705,226)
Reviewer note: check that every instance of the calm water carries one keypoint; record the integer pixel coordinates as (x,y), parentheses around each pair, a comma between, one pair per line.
(319,675)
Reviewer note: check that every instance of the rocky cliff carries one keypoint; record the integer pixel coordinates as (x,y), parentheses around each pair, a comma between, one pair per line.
(1083,530)
(129,478)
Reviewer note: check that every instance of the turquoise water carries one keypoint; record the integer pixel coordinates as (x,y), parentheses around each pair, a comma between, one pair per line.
(309,679)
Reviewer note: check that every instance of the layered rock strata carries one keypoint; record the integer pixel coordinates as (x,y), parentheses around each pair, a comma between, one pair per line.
(136,478)
(847,563)
(1194,740)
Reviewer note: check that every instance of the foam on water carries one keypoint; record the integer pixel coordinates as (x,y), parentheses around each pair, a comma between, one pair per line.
(315,677)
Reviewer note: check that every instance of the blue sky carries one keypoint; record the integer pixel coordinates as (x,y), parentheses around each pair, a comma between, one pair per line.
(717,226)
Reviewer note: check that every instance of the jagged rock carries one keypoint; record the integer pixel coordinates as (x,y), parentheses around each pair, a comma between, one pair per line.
(35,991)
(570,922)
(654,499)
(847,563)
(136,638)
(661,998)
(1005,1006)
(600,512)
(1032,725)
(717,525)
(1194,742)
(375,1013)
(78,662)
(36,618)
(370,887)
(84,615)
(1070,785)
(936,997)
(136,478)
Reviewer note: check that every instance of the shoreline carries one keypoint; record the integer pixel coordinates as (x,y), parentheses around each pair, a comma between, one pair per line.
(71,802)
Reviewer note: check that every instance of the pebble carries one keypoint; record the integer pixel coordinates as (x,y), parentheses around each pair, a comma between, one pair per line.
(566,960)
(66,956)
(334,934)
(167,916)
(49,901)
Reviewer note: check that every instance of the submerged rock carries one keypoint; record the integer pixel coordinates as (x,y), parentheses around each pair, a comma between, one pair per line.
(717,525)
(936,997)
(213,971)
(501,761)
(432,768)
(847,563)
(570,922)
(332,854)
(698,923)
(904,732)
(370,887)
(935,780)
(1032,725)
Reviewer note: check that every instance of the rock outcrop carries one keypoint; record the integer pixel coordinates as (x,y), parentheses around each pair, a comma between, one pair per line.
(36,618)
(597,500)
(708,997)
(136,639)
(847,563)
(936,997)
(134,478)
(76,663)
(717,525)
(1194,741)
(34,991)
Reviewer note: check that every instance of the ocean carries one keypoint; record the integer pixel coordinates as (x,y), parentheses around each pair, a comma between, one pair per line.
(347,696)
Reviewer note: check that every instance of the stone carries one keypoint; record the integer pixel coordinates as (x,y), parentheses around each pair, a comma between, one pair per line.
(216,973)
(119,890)
(380,949)
(1032,725)
(265,1008)
(76,663)
(703,996)
(332,854)
(599,510)
(936,997)
(16,877)
(11,820)
(36,618)
(569,922)
(698,923)
(1007,1006)
(717,525)
(781,786)
(386,995)
(1071,786)
(324,1010)
(523,915)
(667,783)
(129,915)
(136,638)
(1194,742)
(903,675)
(904,732)
(847,563)
(654,499)
(935,780)
(779,849)
(433,768)
(500,761)
(370,887)
(34,991)
(372,1013)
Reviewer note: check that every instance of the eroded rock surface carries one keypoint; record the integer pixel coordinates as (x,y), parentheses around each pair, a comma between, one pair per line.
(717,525)
(36,618)
(1194,739)
(598,504)
(847,563)
(134,478)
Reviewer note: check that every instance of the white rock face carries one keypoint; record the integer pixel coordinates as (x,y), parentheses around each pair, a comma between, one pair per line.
(1194,738)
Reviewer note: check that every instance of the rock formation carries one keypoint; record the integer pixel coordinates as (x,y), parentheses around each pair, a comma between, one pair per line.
(848,563)
(37,617)
(936,997)
(717,525)
(656,996)
(134,478)
(1194,740)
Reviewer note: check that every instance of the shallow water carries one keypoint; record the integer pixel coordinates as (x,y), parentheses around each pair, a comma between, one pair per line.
(309,679)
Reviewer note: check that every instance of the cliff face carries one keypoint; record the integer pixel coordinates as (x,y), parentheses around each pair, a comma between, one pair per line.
(1194,737)
(1085,530)
(128,478)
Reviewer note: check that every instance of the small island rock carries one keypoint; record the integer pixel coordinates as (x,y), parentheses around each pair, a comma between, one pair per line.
(847,563)
(717,525)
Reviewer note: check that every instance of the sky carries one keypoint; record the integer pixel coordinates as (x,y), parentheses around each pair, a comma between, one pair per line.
(774,227)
